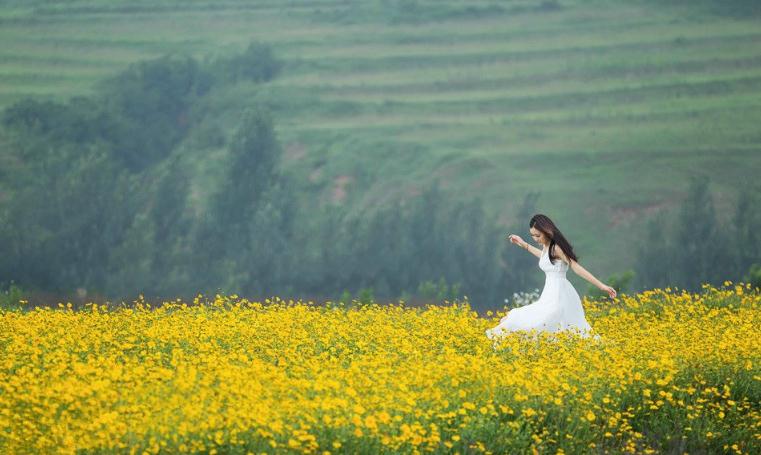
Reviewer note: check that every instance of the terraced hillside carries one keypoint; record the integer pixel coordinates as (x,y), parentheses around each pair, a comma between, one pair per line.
(604,107)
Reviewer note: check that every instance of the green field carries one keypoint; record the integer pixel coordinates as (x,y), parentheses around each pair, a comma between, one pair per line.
(604,107)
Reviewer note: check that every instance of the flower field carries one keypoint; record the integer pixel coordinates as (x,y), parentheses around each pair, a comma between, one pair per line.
(673,372)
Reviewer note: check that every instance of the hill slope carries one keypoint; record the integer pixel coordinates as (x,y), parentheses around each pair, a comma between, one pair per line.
(604,107)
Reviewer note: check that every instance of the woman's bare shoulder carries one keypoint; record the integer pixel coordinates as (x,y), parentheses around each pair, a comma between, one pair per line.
(558,252)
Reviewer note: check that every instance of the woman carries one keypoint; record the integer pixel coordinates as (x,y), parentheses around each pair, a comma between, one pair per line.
(559,305)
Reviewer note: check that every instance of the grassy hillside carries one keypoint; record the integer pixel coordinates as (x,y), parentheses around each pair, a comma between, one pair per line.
(604,107)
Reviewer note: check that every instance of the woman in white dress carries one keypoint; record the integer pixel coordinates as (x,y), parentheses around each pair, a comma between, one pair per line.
(559,305)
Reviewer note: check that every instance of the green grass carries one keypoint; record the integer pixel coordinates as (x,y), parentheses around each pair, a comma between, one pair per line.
(605,107)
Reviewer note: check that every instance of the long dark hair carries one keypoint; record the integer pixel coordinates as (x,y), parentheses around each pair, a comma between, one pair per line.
(544,224)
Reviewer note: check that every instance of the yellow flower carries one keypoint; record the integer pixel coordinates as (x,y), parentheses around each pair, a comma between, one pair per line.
(370,422)
(218,367)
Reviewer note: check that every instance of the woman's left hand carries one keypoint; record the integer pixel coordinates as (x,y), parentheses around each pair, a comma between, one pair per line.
(611,292)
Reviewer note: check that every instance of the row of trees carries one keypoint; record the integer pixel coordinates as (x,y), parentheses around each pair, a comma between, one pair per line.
(690,245)
(693,245)
(103,201)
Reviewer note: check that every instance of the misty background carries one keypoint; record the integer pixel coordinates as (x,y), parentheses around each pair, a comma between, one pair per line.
(374,149)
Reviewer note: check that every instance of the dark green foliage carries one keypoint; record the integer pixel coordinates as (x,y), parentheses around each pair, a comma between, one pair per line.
(10,296)
(620,282)
(753,276)
(440,291)
(150,104)
(700,247)
(104,201)
(139,115)
(746,229)
(207,135)
(518,268)
(254,158)
(412,11)
(366,295)
(693,246)
(85,212)
(59,234)
(655,263)
(401,249)
(735,8)
(419,12)
(170,225)
(246,233)
(50,138)
(257,63)
(80,120)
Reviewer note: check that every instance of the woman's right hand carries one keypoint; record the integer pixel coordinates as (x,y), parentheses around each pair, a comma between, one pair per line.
(516,240)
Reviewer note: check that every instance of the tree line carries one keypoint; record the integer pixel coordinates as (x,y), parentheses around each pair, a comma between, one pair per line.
(692,245)
(101,201)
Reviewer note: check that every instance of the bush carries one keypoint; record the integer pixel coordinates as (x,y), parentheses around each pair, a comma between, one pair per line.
(11,298)
(438,292)
(754,276)
(257,64)
(366,295)
(619,282)
(150,103)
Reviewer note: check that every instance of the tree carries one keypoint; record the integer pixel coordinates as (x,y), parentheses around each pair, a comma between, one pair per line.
(655,258)
(619,282)
(473,238)
(688,250)
(746,228)
(254,160)
(68,210)
(149,106)
(257,63)
(518,267)
(251,212)
(701,250)
(169,227)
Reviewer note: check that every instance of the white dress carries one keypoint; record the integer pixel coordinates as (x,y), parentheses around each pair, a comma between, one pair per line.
(558,307)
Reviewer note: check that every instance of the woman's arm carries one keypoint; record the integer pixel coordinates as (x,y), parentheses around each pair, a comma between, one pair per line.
(517,240)
(579,270)
(532,249)
(584,273)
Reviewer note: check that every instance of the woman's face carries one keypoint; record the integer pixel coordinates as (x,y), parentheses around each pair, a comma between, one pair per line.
(538,236)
